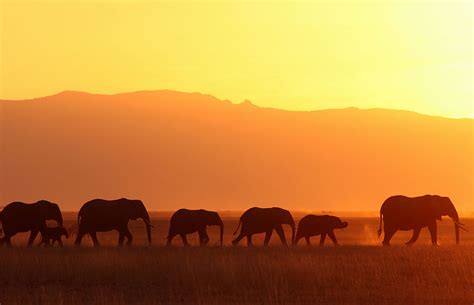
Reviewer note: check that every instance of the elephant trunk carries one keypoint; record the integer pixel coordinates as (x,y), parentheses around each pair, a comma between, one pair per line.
(146,219)
(221,226)
(292,233)
(455,218)
(59,219)
(148,233)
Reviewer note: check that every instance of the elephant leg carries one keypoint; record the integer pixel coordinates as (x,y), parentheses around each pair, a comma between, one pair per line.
(32,237)
(433,232)
(416,234)
(7,241)
(388,235)
(79,237)
(60,243)
(268,235)
(333,238)
(93,234)
(185,240)
(42,242)
(238,239)
(322,239)
(129,237)
(249,240)
(297,238)
(203,237)
(170,238)
(47,243)
(308,241)
(281,234)
(121,238)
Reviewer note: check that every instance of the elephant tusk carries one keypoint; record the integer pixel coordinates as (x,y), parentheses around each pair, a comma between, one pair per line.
(461,226)
(457,223)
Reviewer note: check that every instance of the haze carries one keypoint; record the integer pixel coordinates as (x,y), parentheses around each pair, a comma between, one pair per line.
(175,150)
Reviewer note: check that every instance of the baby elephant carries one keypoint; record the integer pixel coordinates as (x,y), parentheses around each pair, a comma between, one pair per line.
(53,234)
(312,225)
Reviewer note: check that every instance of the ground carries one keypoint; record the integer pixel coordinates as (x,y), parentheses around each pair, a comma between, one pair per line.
(358,272)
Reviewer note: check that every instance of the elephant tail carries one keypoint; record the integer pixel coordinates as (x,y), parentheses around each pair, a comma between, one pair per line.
(240,222)
(379,232)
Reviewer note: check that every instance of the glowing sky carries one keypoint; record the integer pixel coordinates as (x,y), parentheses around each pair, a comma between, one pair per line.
(415,55)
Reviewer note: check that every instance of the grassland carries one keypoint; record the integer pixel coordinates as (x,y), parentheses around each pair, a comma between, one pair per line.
(358,272)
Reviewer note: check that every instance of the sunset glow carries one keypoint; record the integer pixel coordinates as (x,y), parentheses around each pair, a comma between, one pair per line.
(414,55)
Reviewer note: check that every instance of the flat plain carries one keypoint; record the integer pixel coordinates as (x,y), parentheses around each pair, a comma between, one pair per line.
(360,271)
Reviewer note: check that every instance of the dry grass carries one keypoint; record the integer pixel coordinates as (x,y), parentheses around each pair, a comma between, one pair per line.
(356,273)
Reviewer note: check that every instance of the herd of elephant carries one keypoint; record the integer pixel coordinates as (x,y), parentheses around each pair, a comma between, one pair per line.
(98,215)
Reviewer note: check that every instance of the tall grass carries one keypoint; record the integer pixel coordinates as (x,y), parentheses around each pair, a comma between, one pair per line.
(358,272)
(275,275)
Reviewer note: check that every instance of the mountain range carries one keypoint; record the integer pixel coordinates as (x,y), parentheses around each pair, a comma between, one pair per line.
(174,149)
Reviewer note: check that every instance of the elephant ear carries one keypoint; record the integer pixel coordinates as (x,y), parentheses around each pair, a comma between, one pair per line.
(203,217)
(129,208)
(43,210)
(436,206)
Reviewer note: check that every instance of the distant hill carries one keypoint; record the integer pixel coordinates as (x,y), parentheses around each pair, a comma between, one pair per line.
(175,149)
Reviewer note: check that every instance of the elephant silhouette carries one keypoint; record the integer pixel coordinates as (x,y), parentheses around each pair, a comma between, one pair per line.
(312,225)
(264,220)
(414,213)
(19,217)
(51,235)
(186,221)
(101,215)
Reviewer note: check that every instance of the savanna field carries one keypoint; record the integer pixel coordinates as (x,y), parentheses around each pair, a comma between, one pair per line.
(360,271)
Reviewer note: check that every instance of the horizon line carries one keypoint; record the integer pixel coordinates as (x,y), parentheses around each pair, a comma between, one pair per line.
(245,101)
(466,213)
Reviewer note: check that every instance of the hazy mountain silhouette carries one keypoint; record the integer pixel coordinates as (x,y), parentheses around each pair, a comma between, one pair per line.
(174,149)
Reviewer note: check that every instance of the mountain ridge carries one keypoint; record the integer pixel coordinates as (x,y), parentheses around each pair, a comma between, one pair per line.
(191,150)
(76,93)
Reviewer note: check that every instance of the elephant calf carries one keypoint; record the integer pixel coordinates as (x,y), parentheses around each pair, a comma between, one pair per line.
(312,225)
(53,235)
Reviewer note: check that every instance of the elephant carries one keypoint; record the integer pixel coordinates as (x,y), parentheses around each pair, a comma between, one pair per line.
(264,220)
(53,235)
(100,215)
(312,225)
(19,217)
(407,213)
(186,221)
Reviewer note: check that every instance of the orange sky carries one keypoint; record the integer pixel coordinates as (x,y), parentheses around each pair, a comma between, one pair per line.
(176,150)
(415,55)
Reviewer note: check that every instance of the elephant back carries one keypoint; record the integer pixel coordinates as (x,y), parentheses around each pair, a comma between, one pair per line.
(181,215)
(252,213)
(15,209)
(96,208)
(311,221)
